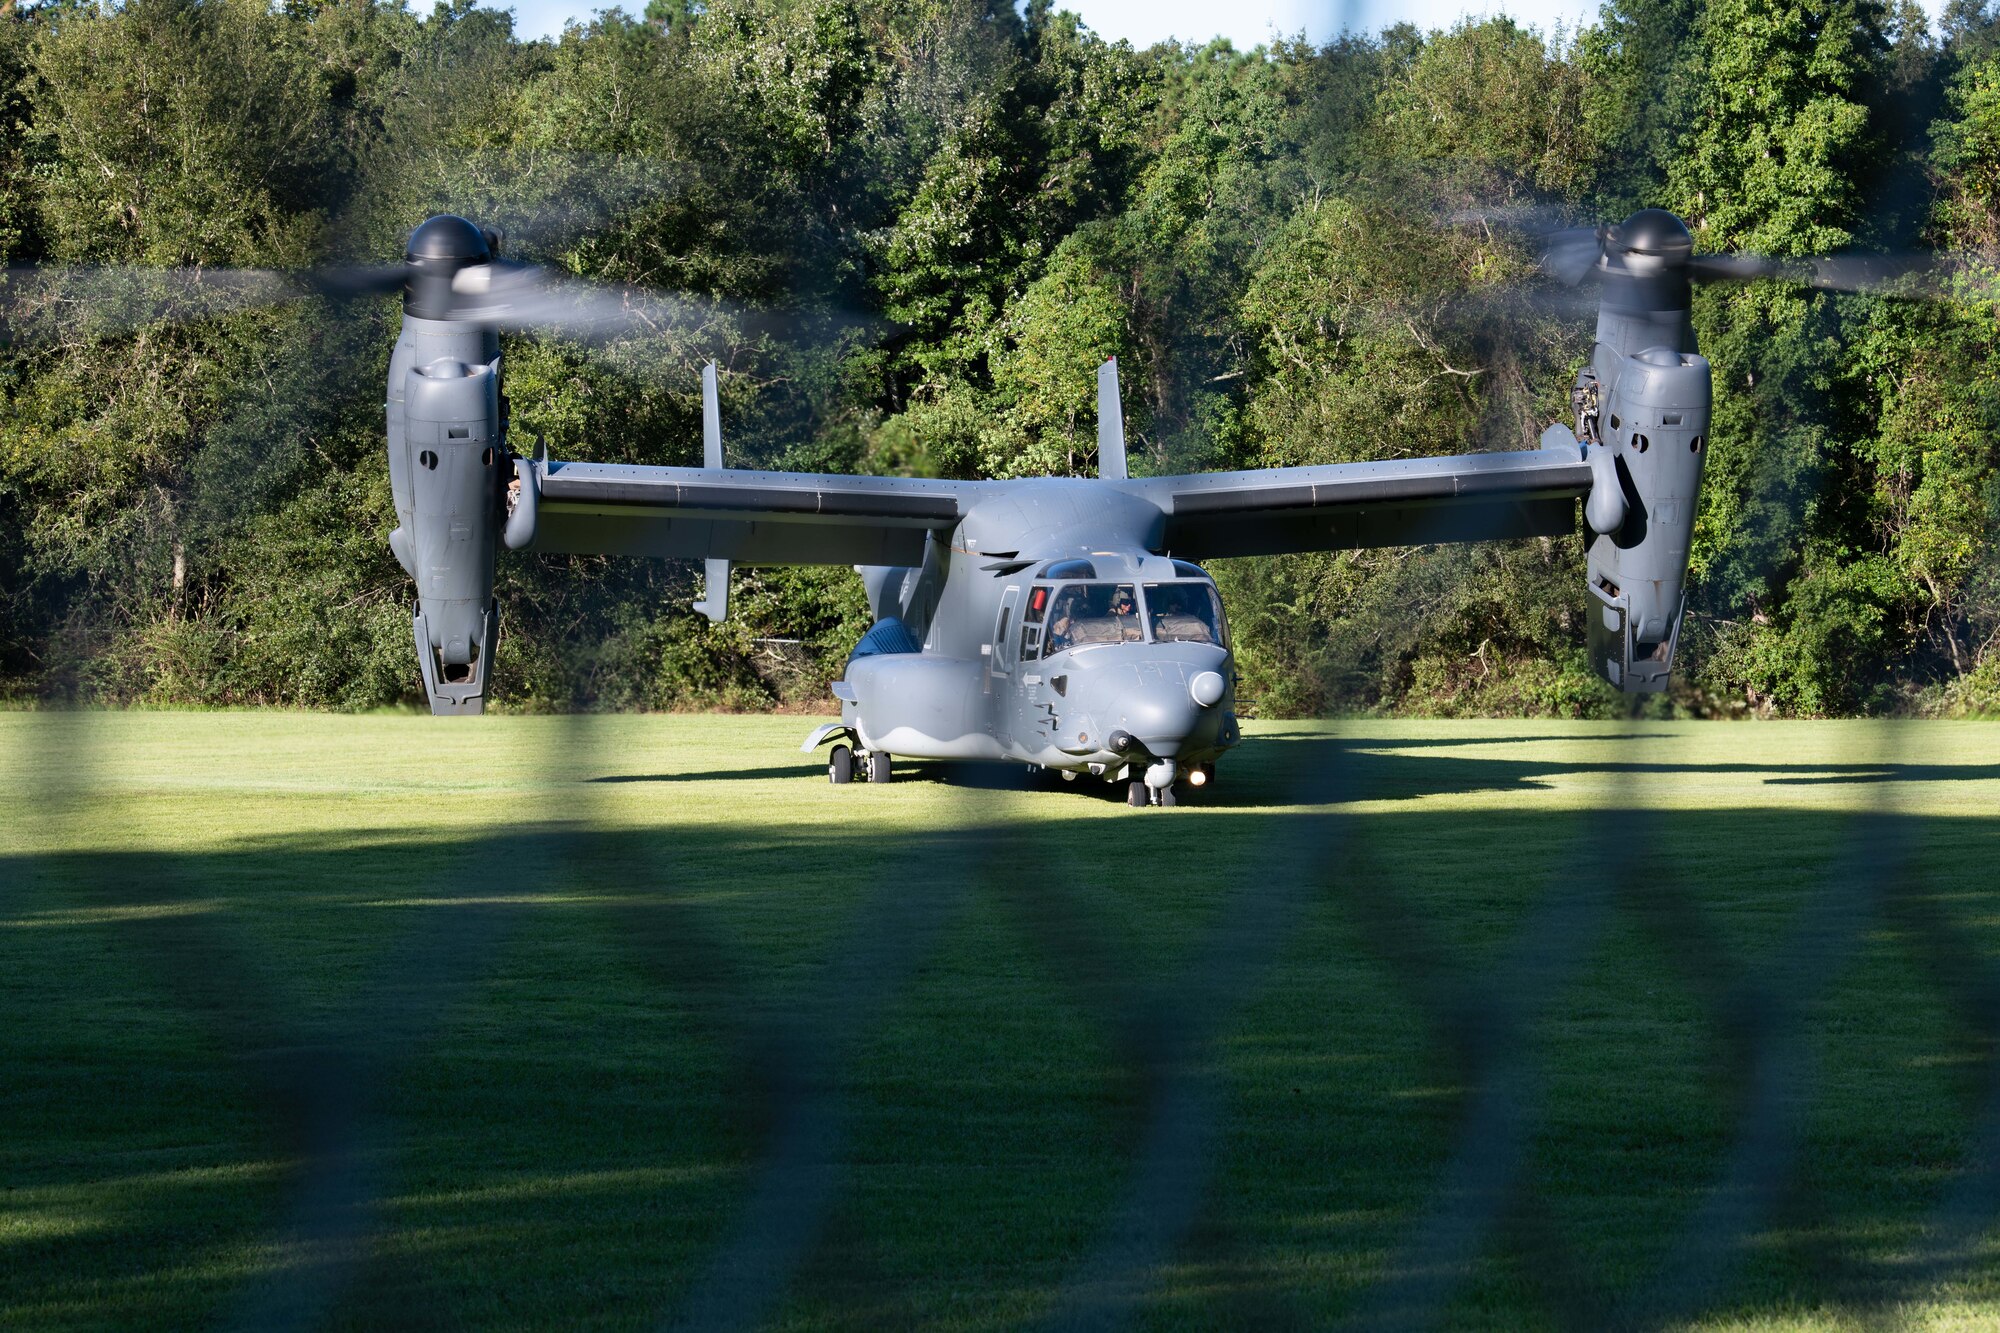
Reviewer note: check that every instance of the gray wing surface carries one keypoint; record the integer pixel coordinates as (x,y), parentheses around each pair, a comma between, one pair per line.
(1401,502)
(755,518)
(778,518)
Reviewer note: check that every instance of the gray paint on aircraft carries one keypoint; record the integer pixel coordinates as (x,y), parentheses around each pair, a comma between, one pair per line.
(954,566)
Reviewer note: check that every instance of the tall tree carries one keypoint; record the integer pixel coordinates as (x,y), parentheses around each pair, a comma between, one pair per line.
(1776,163)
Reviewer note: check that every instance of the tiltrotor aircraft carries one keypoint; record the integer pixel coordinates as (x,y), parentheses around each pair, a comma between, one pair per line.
(1061,622)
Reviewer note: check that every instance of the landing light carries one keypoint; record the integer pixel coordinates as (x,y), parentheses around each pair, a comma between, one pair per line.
(1197,777)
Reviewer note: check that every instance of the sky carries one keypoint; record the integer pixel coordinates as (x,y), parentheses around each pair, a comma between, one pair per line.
(1143,22)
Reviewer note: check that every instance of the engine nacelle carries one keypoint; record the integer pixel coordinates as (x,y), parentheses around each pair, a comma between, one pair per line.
(1653,438)
(454,460)
(448,464)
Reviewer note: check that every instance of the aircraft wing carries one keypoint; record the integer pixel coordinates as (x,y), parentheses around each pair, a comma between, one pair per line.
(1400,502)
(757,518)
(775,518)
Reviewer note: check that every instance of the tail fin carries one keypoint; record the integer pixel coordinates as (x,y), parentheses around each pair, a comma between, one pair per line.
(1110,423)
(711,420)
(715,603)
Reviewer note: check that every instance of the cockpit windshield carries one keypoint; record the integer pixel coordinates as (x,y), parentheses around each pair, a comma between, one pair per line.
(1185,613)
(1083,614)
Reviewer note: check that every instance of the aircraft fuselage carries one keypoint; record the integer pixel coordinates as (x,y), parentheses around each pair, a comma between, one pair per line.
(1047,631)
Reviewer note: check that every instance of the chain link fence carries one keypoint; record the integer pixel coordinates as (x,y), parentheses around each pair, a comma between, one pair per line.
(1339,842)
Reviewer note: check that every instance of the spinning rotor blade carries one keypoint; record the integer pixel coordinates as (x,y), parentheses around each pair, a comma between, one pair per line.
(98,301)
(1869,274)
(349,283)
(521,297)
(1568,255)
(1653,244)
(95,302)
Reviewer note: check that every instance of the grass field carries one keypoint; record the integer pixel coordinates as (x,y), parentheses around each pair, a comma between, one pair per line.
(630,1022)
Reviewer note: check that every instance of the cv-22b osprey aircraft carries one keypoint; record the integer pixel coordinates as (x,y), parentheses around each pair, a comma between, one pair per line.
(1060,622)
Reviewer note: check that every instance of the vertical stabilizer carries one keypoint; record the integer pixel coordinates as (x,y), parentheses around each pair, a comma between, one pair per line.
(1110,423)
(715,601)
(711,419)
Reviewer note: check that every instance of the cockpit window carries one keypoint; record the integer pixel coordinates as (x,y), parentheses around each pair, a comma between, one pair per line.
(1084,614)
(1186,613)
(1186,570)
(1070,569)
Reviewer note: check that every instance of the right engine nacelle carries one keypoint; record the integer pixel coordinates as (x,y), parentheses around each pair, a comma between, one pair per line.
(451,422)
(1653,432)
(448,463)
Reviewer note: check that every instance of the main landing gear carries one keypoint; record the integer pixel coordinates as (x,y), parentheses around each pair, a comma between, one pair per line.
(874,766)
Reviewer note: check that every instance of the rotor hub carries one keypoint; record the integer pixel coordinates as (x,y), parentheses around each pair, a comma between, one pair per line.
(1643,265)
(447,238)
(438,249)
(1651,241)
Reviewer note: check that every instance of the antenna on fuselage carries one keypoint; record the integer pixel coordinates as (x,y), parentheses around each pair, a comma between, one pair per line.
(715,603)
(1110,423)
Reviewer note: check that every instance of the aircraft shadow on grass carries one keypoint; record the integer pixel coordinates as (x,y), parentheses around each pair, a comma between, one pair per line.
(1376,769)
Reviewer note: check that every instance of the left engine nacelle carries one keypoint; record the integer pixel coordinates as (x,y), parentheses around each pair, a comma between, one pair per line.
(453,460)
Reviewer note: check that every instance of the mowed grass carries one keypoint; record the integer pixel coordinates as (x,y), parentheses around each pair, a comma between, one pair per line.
(615,1022)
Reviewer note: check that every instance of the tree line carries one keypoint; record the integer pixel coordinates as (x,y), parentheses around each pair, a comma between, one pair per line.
(909,230)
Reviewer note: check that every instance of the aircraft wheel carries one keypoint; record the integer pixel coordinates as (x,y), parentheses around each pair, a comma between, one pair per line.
(1167,796)
(879,769)
(1137,793)
(840,765)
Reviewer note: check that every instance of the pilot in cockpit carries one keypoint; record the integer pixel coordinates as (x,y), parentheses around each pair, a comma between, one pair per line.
(1125,611)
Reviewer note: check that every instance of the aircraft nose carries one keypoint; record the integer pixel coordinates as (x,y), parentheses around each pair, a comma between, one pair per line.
(1158,714)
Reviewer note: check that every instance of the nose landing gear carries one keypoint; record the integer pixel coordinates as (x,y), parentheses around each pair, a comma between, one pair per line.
(1155,787)
(873,766)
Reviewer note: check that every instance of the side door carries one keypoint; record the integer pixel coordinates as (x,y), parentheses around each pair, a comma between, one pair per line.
(1000,665)
(1006,639)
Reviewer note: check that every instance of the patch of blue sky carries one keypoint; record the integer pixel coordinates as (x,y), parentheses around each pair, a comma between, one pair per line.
(1143,22)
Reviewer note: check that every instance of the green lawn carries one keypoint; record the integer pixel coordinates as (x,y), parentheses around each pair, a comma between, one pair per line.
(545,1023)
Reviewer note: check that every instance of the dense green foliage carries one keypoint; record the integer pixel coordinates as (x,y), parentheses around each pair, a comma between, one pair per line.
(915,226)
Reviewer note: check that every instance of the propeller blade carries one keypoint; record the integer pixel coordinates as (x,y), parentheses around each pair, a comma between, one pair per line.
(524,297)
(353,282)
(1868,274)
(96,301)
(1569,255)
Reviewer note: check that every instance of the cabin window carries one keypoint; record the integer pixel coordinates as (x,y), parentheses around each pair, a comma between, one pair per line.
(1084,615)
(1186,613)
